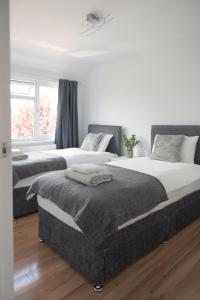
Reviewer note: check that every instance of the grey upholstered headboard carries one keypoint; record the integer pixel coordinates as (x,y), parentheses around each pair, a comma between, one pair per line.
(189,130)
(115,143)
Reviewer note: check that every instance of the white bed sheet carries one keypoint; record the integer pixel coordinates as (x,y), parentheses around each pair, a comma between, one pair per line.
(78,156)
(175,177)
(72,156)
(179,180)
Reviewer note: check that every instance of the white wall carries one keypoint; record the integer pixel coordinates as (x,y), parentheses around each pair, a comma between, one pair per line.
(157,86)
(6,224)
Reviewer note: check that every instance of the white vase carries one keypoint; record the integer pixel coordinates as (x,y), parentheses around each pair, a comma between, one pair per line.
(129,153)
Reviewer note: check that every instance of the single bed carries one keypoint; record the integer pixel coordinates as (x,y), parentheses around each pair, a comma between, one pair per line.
(132,239)
(26,171)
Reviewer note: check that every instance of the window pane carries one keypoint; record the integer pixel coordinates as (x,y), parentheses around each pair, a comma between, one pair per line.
(48,109)
(18,88)
(22,118)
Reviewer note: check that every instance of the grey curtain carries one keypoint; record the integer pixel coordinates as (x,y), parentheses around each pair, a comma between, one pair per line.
(66,135)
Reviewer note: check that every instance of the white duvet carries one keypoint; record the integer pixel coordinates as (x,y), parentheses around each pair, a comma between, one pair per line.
(78,156)
(179,180)
(174,176)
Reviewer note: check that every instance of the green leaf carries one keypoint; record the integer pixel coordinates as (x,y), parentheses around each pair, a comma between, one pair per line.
(131,142)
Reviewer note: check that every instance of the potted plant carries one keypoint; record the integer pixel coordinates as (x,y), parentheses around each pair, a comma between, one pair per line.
(130,144)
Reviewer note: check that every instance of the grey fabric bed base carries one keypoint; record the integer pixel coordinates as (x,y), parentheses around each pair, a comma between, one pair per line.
(122,248)
(21,206)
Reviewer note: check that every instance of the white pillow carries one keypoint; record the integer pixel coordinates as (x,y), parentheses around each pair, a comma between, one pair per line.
(188,149)
(153,148)
(103,145)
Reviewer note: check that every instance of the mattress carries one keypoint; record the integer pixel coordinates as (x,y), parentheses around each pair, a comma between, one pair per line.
(72,156)
(179,180)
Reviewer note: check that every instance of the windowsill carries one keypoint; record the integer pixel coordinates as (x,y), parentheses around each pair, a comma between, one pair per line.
(32,143)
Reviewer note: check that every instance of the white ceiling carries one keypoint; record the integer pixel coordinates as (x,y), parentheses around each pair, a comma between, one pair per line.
(44,33)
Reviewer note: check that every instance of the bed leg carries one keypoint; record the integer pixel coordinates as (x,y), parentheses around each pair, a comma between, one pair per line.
(98,288)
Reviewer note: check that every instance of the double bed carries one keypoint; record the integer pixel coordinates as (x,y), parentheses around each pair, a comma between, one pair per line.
(26,171)
(159,198)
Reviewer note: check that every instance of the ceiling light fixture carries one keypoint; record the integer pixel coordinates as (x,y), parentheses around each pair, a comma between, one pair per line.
(94,22)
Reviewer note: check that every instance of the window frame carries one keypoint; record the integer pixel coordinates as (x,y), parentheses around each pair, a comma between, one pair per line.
(37,139)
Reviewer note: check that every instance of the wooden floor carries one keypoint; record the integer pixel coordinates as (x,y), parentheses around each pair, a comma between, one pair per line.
(170,272)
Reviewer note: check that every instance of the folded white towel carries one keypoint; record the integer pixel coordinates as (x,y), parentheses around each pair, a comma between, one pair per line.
(88,168)
(92,179)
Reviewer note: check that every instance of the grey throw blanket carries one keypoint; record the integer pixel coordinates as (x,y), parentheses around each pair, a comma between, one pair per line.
(37,162)
(99,210)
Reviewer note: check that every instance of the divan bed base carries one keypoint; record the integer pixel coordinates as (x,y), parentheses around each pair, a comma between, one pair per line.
(21,206)
(98,264)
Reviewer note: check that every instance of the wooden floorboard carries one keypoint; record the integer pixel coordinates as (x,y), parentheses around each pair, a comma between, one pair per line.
(170,272)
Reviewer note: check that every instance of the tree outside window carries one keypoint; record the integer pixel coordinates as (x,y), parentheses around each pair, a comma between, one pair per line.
(33,110)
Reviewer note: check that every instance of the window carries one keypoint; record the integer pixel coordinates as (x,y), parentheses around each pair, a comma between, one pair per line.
(48,110)
(33,110)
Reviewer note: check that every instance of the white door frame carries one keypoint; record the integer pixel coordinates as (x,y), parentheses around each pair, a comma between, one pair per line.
(6,219)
